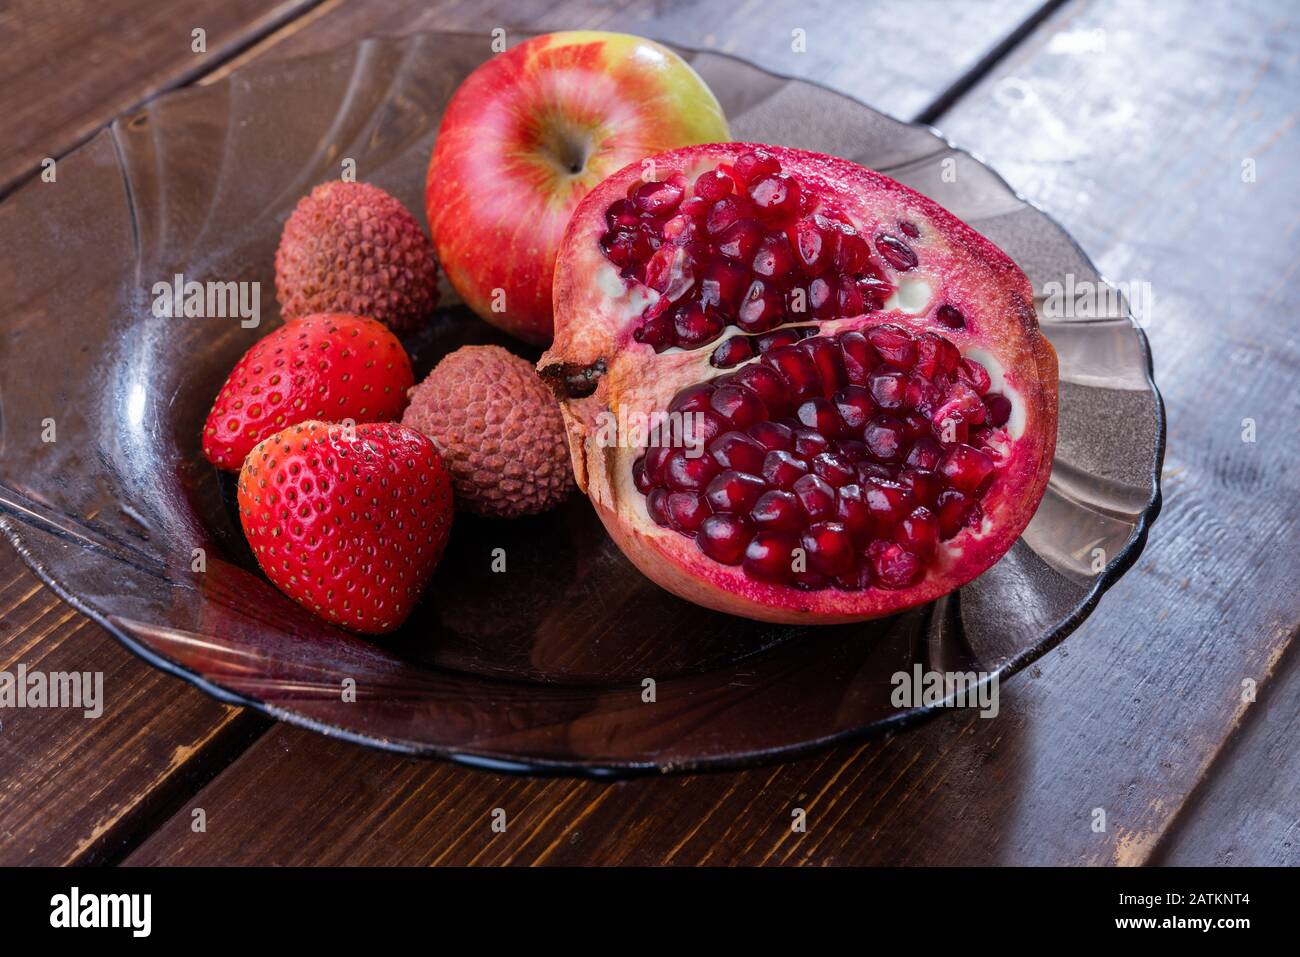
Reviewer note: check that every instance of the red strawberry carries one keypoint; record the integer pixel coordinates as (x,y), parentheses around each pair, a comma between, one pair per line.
(325,366)
(349,523)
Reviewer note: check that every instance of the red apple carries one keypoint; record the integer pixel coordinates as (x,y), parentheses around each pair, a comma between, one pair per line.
(526,137)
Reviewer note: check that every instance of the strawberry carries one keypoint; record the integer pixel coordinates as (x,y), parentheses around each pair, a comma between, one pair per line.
(348,522)
(324,366)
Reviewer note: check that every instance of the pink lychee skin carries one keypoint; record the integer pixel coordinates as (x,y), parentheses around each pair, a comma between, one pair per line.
(351,247)
(966,270)
(499,430)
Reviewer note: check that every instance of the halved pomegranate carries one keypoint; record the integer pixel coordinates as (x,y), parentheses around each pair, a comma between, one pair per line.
(795,389)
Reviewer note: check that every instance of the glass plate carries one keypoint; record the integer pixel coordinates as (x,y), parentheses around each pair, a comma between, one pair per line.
(540,668)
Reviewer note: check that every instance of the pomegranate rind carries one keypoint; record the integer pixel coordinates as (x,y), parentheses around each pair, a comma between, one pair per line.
(596,312)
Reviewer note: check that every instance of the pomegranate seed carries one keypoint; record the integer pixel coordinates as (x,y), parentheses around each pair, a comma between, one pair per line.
(869,472)
(961,405)
(761,309)
(925,453)
(755,163)
(809,443)
(736,450)
(695,207)
(965,468)
(828,361)
(701,428)
(776,195)
(733,491)
(769,556)
(893,565)
(767,384)
(851,252)
(833,469)
(888,387)
(888,502)
(712,185)
(773,436)
(915,425)
(822,298)
(816,497)
(896,252)
(722,284)
(740,240)
(782,469)
(956,511)
(773,258)
(854,406)
(883,436)
(656,332)
(621,213)
(894,344)
(656,504)
(655,460)
(639,477)
(810,246)
(775,340)
(820,415)
(999,407)
(723,538)
(680,230)
(829,548)
(925,485)
(669,272)
(686,511)
(975,374)
(722,215)
(739,406)
(687,474)
(851,511)
(778,510)
(732,352)
(694,398)
(951,317)
(852,450)
(797,368)
(849,298)
(919,532)
(618,247)
(927,355)
(859,357)
(657,199)
(695,325)
(922,395)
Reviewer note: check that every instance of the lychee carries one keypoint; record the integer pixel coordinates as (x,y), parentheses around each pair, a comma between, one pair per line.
(499,430)
(351,247)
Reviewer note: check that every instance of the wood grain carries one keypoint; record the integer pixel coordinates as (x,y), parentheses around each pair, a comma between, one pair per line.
(1134,713)
(842,46)
(1245,812)
(70,67)
(75,789)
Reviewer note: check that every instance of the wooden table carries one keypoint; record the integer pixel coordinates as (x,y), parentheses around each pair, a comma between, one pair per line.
(1132,123)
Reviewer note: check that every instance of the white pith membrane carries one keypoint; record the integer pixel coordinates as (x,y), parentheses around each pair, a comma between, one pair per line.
(641,379)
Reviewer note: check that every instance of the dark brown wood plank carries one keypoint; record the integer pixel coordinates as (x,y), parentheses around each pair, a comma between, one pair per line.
(74,789)
(842,50)
(69,67)
(1247,813)
(1137,147)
